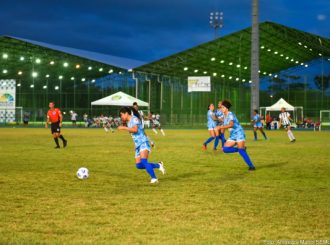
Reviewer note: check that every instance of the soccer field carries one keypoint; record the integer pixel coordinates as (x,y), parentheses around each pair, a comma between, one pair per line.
(205,197)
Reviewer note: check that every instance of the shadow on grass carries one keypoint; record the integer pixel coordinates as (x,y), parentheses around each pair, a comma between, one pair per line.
(272,165)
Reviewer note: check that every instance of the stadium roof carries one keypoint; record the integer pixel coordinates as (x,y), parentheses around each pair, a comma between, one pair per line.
(22,57)
(229,57)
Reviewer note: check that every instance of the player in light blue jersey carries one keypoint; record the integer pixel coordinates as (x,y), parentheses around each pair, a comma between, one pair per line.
(142,147)
(257,124)
(211,125)
(237,135)
(219,115)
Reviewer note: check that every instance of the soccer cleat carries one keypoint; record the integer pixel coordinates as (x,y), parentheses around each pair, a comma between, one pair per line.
(294,140)
(152,144)
(65,142)
(204,147)
(57,147)
(153,181)
(252,168)
(162,168)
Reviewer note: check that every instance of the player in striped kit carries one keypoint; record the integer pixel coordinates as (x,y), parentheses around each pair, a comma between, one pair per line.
(285,120)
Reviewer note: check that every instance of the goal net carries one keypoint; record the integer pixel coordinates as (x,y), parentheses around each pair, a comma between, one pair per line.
(324,119)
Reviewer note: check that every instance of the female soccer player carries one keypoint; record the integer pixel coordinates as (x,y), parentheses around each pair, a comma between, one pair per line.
(285,120)
(212,124)
(257,124)
(142,147)
(237,135)
(219,115)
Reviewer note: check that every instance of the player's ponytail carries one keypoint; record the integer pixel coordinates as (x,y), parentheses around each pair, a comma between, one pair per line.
(136,113)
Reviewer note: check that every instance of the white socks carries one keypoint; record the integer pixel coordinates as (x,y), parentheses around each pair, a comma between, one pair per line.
(290,135)
(163,133)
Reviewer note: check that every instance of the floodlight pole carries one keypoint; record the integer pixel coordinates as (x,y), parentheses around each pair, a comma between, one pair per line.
(216,22)
(255,57)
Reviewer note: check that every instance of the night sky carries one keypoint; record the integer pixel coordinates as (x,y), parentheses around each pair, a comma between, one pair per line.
(148,30)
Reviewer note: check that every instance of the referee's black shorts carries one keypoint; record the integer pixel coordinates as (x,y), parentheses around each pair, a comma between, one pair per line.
(55,127)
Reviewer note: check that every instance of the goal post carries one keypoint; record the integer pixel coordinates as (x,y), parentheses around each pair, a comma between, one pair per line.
(324,119)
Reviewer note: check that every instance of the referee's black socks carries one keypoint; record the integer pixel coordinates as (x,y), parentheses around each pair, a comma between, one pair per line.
(56,141)
(62,138)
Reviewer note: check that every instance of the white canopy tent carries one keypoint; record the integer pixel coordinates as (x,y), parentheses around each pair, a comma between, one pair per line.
(281,103)
(119,99)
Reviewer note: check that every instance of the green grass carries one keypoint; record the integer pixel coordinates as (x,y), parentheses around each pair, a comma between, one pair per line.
(205,198)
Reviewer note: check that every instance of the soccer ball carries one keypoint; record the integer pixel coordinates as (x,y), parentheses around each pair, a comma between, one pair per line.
(82,173)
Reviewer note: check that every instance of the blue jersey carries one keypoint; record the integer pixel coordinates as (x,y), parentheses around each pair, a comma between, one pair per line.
(210,122)
(219,114)
(257,121)
(139,137)
(236,132)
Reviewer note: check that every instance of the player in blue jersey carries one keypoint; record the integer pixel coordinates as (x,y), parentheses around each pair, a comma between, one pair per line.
(219,115)
(237,135)
(142,146)
(211,125)
(257,124)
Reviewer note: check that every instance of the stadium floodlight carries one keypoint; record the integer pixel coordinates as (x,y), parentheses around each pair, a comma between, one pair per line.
(306,65)
(65,64)
(130,70)
(52,62)
(5,56)
(90,68)
(56,87)
(265,73)
(320,54)
(120,73)
(281,55)
(262,47)
(250,81)
(287,57)
(222,61)
(245,67)
(20,73)
(243,80)
(222,75)
(292,60)
(34,74)
(213,59)
(269,50)
(310,49)
(275,52)
(22,58)
(214,74)
(47,75)
(4,71)
(60,77)
(297,61)
(237,79)
(110,71)
(271,96)
(38,61)
(305,46)
(18,84)
(93,81)
(83,79)
(44,87)
(72,78)
(302,64)
(32,86)
(101,69)
(230,63)
(275,76)
(196,71)
(216,21)
(77,66)
(230,77)
(300,43)
(270,74)
(238,66)
(185,69)
(205,72)
(259,71)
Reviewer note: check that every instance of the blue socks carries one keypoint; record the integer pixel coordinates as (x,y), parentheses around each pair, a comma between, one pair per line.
(242,152)
(223,140)
(230,149)
(246,157)
(216,142)
(144,164)
(208,140)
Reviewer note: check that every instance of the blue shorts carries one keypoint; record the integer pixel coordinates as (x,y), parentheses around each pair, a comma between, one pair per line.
(258,125)
(237,136)
(144,146)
